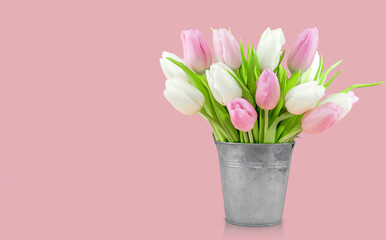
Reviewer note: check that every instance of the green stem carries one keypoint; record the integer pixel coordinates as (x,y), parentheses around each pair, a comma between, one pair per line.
(271,135)
(290,135)
(250,137)
(245,135)
(215,133)
(215,124)
(291,123)
(241,137)
(255,131)
(266,121)
(261,126)
(227,124)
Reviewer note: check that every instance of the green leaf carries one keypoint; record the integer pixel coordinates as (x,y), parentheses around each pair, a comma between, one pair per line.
(257,72)
(292,81)
(194,77)
(291,135)
(332,79)
(246,94)
(270,138)
(243,68)
(251,64)
(320,68)
(304,76)
(285,86)
(280,130)
(324,75)
(291,123)
(281,59)
(215,125)
(361,86)
(282,77)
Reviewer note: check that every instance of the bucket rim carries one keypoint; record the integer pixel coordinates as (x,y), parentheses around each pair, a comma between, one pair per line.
(255,144)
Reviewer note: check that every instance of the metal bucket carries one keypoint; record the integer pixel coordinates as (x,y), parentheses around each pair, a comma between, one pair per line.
(254,181)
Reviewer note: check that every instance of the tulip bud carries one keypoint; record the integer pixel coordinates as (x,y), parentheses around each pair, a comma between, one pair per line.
(170,69)
(222,85)
(269,48)
(303,51)
(351,95)
(226,48)
(243,114)
(314,67)
(183,96)
(321,118)
(303,97)
(345,100)
(268,90)
(196,51)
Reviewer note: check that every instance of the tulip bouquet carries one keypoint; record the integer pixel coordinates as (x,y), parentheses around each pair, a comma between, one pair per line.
(252,99)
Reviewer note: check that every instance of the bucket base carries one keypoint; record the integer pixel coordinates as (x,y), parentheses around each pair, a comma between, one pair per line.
(253,225)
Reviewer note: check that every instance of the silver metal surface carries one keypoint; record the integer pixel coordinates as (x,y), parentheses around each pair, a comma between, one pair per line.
(254,181)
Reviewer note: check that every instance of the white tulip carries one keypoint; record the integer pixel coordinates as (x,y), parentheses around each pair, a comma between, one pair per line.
(183,96)
(314,67)
(303,97)
(170,69)
(269,48)
(222,85)
(341,99)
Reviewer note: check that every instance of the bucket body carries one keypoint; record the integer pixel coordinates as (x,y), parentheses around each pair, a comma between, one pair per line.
(254,181)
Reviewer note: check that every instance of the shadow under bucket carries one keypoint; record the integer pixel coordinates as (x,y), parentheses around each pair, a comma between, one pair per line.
(254,181)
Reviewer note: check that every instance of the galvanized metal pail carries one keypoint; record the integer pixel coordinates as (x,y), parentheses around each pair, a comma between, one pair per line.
(254,181)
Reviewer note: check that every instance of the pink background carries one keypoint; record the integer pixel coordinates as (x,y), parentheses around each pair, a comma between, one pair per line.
(90,149)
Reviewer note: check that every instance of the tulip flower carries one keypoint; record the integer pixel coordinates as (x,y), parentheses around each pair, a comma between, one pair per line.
(197,55)
(314,67)
(243,114)
(345,100)
(183,96)
(303,97)
(321,118)
(269,48)
(221,83)
(268,90)
(170,69)
(226,48)
(303,51)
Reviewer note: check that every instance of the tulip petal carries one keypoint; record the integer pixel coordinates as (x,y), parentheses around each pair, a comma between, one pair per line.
(321,118)
(183,96)
(303,97)
(303,50)
(269,48)
(243,115)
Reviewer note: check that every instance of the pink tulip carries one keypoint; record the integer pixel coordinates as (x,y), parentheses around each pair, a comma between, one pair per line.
(243,114)
(226,48)
(268,90)
(303,51)
(321,118)
(197,55)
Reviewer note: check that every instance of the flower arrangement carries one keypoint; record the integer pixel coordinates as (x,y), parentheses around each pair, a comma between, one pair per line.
(252,99)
